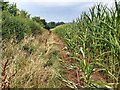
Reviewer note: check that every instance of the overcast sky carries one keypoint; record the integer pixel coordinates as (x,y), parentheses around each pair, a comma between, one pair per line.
(57,10)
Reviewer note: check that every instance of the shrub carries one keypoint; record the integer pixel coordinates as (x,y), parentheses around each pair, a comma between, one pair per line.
(16,24)
(35,27)
(17,27)
(13,27)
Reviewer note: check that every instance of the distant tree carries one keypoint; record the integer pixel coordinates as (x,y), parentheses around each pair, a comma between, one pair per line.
(51,25)
(47,27)
(38,20)
(59,23)
(43,22)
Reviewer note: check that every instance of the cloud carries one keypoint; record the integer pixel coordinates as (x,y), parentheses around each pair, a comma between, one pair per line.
(57,10)
(60,2)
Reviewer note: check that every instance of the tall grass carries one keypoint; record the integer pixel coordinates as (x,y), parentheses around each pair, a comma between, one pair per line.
(96,37)
(34,64)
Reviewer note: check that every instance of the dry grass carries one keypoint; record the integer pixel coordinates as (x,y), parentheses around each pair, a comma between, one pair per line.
(29,59)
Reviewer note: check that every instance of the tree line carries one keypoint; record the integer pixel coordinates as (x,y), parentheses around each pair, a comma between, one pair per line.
(46,25)
(18,23)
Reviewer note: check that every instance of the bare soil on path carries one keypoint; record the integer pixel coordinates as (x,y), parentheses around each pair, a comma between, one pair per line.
(70,74)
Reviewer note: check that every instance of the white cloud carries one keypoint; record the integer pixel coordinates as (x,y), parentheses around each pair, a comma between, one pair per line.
(62,1)
(54,3)
(31,5)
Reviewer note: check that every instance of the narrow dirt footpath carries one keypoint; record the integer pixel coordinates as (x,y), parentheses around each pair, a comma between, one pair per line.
(41,61)
(70,74)
(54,40)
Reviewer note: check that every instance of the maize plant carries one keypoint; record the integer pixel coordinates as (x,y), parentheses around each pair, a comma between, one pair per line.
(96,37)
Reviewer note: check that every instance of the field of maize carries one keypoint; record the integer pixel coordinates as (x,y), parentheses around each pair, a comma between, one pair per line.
(95,37)
(81,54)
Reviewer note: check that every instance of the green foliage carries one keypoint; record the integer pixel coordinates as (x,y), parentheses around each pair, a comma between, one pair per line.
(95,35)
(23,13)
(13,26)
(13,9)
(35,27)
(29,49)
(51,25)
(37,19)
(52,57)
(4,5)
(59,23)
(43,22)
(16,24)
